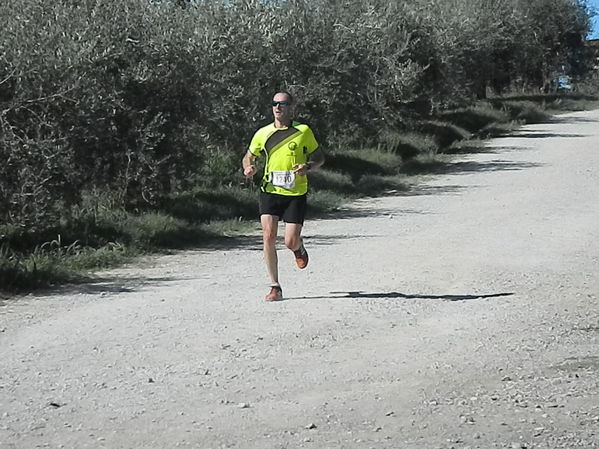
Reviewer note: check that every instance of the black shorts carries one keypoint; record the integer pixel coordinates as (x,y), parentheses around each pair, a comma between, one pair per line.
(292,209)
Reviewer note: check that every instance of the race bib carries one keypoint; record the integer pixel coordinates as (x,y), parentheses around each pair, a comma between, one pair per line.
(284,179)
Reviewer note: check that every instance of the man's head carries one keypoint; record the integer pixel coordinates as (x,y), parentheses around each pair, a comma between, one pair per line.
(282,108)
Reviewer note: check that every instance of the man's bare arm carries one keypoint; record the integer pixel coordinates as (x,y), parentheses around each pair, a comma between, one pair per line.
(249,169)
(315,160)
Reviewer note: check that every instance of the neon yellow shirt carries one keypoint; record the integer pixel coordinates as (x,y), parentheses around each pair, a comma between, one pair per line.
(284,148)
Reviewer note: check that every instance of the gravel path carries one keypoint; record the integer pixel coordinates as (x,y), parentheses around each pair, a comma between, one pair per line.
(460,315)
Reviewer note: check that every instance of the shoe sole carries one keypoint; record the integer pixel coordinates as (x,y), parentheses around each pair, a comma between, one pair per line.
(299,265)
(299,261)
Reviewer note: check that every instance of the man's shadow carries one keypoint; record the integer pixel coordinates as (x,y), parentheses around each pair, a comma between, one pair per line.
(399,295)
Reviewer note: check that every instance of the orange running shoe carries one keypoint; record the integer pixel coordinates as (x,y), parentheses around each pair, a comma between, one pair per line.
(301,257)
(276,293)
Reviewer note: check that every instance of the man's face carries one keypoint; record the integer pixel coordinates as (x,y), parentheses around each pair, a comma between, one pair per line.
(281,108)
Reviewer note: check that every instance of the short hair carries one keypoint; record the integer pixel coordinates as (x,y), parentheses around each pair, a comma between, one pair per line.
(284,92)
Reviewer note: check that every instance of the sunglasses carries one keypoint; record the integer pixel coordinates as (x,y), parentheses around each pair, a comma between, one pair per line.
(280,103)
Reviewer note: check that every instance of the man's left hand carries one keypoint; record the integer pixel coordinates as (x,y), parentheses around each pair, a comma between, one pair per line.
(301,169)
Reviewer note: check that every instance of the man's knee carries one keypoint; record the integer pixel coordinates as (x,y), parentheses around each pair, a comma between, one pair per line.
(292,242)
(269,231)
(293,238)
(269,237)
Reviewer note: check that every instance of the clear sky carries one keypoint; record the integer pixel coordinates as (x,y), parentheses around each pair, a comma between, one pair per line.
(595,31)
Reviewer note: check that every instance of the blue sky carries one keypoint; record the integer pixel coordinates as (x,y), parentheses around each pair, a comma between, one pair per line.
(595,32)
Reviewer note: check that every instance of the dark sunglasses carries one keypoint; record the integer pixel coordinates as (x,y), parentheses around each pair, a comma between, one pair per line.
(280,103)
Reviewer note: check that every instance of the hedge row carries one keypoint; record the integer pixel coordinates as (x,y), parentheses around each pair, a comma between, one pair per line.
(120,104)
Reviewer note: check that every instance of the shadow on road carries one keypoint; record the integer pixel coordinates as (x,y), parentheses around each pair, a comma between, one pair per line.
(495,165)
(349,212)
(103,286)
(571,119)
(422,190)
(544,135)
(398,295)
(461,167)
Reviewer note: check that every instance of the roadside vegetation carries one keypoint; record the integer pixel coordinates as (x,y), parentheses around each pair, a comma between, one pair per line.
(122,125)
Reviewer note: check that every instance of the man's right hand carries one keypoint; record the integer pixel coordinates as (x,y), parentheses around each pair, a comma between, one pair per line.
(249,171)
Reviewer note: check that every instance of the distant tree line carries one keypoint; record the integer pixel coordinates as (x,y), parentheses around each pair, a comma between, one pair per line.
(119,104)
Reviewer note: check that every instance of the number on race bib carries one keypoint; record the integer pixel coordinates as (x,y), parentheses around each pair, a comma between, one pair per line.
(284,179)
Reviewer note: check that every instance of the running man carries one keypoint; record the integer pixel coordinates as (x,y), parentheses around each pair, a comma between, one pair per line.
(291,152)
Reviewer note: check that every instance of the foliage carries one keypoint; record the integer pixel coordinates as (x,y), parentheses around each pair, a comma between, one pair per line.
(444,133)
(475,118)
(140,99)
(526,111)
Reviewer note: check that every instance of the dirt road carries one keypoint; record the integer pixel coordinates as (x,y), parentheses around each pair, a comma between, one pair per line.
(463,314)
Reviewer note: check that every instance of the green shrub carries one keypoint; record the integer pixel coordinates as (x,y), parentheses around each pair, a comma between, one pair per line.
(107,256)
(424,164)
(53,262)
(357,163)
(574,103)
(152,230)
(527,111)
(325,179)
(406,144)
(374,185)
(324,202)
(466,147)
(498,129)
(475,118)
(40,267)
(444,133)
(203,205)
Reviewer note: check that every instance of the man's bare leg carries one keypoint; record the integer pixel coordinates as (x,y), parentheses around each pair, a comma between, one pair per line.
(293,241)
(269,238)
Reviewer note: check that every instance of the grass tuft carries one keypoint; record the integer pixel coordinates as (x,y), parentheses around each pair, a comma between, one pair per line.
(425,163)
(322,203)
(357,163)
(405,144)
(325,179)
(372,185)
(498,129)
(444,133)
(526,111)
(204,205)
(467,147)
(476,118)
